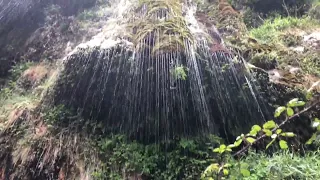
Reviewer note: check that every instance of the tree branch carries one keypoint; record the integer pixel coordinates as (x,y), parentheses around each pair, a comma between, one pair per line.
(279,126)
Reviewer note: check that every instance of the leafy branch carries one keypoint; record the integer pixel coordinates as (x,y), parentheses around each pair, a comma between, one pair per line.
(276,130)
(269,129)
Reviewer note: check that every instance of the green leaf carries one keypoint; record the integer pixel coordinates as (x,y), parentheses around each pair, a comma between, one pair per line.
(227,165)
(279,110)
(223,146)
(295,103)
(292,102)
(267,132)
(283,144)
(270,143)
(288,134)
(244,165)
(290,111)
(245,172)
(216,150)
(313,137)
(250,140)
(256,128)
(269,125)
(225,172)
(278,131)
(231,146)
(238,142)
(274,136)
(253,133)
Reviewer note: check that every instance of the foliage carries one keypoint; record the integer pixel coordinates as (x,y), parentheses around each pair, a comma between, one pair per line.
(315,136)
(87,15)
(178,159)
(57,115)
(271,29)
(314,11)
(180,73)
(280,165)
(270,129)
(15,73)
(8,97)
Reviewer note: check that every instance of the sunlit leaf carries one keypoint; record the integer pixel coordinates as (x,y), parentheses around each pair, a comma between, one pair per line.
(225,172)
(274,136)
(278,131)
(290,111)
(245,172)
(253,133)
(216,150)
(231,146)
(269,125)
(288,134)
(313,137)
(250,140)
(279,110)
(211,168)
(223,146)
(227,165)
(256,128)
(295,103)
(292,102)
(267,132)
(238,142)
(283,144)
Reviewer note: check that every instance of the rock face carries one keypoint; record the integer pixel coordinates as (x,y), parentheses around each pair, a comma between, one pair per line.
(20,20)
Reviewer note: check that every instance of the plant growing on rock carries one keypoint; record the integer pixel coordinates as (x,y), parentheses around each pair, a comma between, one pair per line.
(160,26)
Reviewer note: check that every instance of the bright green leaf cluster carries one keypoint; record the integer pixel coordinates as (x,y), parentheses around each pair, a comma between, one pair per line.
(269,129)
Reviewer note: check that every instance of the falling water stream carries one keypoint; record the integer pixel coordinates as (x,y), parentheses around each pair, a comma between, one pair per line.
(182,89)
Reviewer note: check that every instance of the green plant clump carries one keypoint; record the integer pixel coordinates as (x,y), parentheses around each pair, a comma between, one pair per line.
(179,159)
(271,29)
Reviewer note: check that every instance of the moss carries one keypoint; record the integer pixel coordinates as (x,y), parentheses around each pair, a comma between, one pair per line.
(264,60)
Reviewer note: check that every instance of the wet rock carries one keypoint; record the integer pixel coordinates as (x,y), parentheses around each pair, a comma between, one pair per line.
(313,40)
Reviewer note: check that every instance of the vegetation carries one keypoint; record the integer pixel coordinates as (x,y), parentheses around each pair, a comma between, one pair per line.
(177,159)
(272,29)
(271,130)
(49,140)
(280,165)
(163,24)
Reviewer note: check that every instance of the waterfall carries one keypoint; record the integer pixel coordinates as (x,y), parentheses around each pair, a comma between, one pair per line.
(156,73)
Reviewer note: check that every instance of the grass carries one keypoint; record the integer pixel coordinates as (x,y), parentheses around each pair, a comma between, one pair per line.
(282,165)
(271,30)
